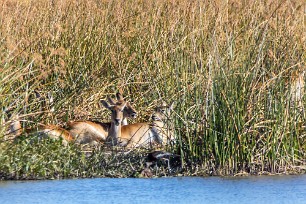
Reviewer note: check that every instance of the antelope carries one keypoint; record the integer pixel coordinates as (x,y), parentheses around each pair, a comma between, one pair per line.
(91,132)
(42,131)
(53,132)
(140,134)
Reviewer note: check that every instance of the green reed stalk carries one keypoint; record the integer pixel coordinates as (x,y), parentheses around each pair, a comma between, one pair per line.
(229,68)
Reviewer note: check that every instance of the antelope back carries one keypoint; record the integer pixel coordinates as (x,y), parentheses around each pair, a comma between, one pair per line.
(53,132)
(88,132)
(137,135)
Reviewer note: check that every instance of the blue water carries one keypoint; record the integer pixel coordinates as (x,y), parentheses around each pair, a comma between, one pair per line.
(264,189)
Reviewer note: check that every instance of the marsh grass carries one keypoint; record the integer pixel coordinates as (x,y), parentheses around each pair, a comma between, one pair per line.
(229,66)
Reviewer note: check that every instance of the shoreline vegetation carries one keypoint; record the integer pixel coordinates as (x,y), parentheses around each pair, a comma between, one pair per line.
(235,70)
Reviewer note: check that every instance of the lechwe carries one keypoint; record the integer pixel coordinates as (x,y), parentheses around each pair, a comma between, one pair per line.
(42,131)
(141,134)
(92,132)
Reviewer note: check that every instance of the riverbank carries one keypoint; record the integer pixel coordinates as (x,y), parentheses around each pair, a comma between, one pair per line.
(235,70)
(48,159)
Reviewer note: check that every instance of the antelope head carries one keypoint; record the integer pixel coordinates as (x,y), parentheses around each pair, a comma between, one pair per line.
(114,133)
(162,123)
(128,112)
(162,112)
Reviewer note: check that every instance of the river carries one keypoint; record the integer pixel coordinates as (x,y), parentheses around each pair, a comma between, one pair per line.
(259,189)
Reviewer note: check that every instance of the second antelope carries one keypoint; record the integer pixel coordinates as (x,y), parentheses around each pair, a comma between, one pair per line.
(140,134)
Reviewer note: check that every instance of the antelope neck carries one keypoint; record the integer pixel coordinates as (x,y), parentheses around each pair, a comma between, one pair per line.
(115,132)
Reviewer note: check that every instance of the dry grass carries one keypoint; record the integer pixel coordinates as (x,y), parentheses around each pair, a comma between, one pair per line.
(230,66)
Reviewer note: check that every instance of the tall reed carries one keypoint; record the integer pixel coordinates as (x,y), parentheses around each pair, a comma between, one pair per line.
(229,66)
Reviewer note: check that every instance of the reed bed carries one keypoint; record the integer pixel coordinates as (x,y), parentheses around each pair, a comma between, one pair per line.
(235,69)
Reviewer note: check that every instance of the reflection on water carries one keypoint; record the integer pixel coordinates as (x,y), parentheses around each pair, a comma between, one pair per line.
(272,189)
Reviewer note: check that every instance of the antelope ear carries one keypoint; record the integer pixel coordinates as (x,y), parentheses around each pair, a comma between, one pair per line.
(122,106)
(110,100)
(162,103)
(50,101)
(172,105)
(50,96)
(105,104)
(119,96)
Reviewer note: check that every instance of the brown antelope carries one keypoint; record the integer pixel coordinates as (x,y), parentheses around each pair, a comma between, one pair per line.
(53,132)
(141,134)
(91,132)
(42,131)
(114,133)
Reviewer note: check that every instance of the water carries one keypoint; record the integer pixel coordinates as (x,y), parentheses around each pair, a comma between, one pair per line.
(273,189)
